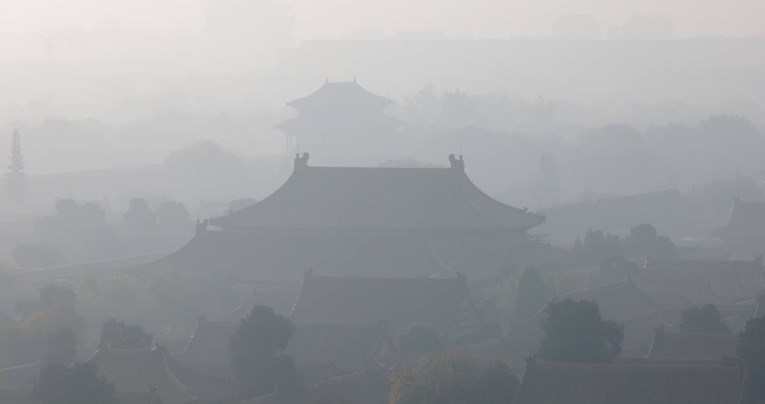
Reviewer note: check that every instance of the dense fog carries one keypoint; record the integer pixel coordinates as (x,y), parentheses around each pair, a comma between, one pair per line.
(403,202)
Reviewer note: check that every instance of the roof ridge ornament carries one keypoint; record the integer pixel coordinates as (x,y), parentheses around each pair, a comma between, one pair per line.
(456,163)
(301,161)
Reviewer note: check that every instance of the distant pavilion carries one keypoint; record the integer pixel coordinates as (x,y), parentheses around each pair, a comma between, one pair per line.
(337,118)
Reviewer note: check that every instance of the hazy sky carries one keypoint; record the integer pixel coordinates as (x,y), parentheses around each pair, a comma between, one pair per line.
(332,18)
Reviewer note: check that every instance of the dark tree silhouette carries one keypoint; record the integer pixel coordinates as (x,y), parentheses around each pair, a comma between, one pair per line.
(530,297)
(118,335)
(597,246)
(172,214)
(451,378)
(15,178)
(703,319)
(37,255)
(575,332)
(751,350)
(58,305)
(419,338)
(61,348)
(644,240)
(72,385)
(139,215)
(257,354)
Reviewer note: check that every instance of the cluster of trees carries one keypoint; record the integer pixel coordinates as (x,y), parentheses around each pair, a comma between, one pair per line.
(169,215)
(598,248)
(82,218)
(419,339)
(575,332)
(257,354)
(453,377)
(82,231)
(705,318)
(52,317)
(63,382)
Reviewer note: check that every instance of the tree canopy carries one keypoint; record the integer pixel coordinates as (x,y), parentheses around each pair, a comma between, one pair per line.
(575,332)
(77,384)
(644,240)
(453,377)
(118,335)
(139,215)
(530,297)
(257,354)
(703,319)
(61,348)
(419,338)
(15,178)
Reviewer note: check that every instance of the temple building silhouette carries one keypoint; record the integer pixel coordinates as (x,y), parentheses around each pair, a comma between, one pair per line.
(365,221)
(336,118)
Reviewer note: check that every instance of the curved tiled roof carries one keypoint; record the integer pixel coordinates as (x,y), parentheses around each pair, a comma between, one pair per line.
(381,199)
(363,300)
(693,345)
(283,256)
(747,219)
(140,370)
(630,383)
(340,95)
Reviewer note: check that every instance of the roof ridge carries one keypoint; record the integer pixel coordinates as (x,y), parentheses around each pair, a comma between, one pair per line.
(625,281)
(164,356)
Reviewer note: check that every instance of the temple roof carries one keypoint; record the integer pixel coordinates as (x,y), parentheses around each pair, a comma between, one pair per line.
(747,219)
(730,281)
(276,256)
(630,383)
(137,371)
(20,377)
(398,301)
(209,343)
(348,347)
(693,345)
(26,396)
(340,95)
(356,198)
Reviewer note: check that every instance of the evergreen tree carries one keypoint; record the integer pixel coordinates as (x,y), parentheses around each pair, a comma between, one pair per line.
(453,377)
(15,178)
(703,319)
(257,354)
(139,217)
(419,338)
(118,335)
(61,348)
(575,332)
(529,299)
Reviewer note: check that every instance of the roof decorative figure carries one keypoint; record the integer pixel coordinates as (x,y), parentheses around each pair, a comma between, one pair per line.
(301,161)
(456,163)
